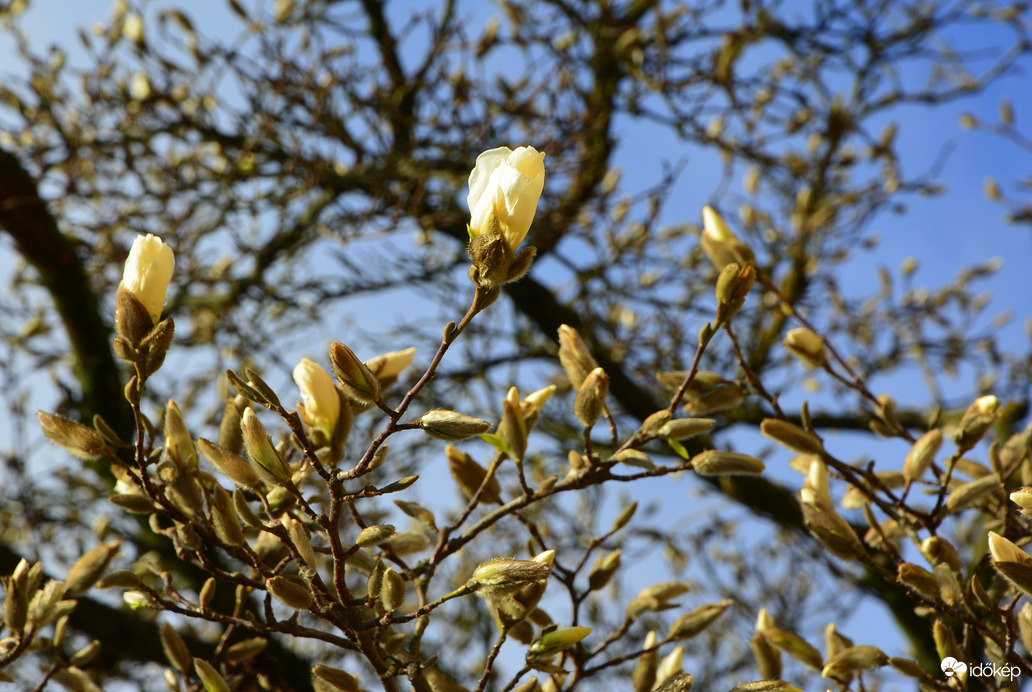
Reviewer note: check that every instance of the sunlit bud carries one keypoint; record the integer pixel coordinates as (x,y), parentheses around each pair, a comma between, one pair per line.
(768,659)
(1005,550)
(355,377)
(299,537)
(1023,498)
(972,492)
(805,345)
(854,660)
(644,676)
(976,422)
(821,519)
(533,403)
(132,27)
(469,475)
(791,436)
(374,535)
(939,551)
(148,270)
(77,439)
(388,366)
(557,640)
(682,428)
(136,599)
(505,576)
(919,579)
(682,682)
(224,517)
(392,590)
(175,648)
(590,399)
(89,568)
(795,646)
(265,460)
(691,624)
(670,666)
(513,427)
(321,401)
(574,356)
(733,286)
(921,455)
(950,589)
(210,678)
(816,487)
(603,570)
(450,425)
(715,462)
(234,467)
(290,592)
(336,677)
(178,443)
(504,189)
(720,244)
(1011,561)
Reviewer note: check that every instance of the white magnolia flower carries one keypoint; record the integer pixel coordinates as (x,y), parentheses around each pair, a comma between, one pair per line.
(504,190)
(148,270)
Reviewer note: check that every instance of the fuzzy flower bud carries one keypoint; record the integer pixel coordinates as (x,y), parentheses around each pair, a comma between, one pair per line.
(805,345)
(265,460)
(720,244)
(321,401)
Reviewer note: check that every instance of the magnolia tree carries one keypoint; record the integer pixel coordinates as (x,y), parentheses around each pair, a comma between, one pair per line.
(579,464)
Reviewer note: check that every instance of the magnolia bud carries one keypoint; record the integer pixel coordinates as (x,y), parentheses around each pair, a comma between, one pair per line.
(716,462)
(976,422)
(574,356)
(355,377)
(921,455)
(720,244)
(148,270)
(265,460)
(451,426)
(234,467)
(791,436)
(805,345)
(555,641)
(590,399)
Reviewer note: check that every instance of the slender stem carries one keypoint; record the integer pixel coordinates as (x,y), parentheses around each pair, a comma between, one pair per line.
(495,650)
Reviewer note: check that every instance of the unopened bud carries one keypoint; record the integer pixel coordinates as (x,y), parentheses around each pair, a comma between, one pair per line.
(976,422)
(919,579)
(88,569)
(720,244)
(556,641)
(921,455)
(289,592)
(513,427)
(715,462)
(854,660)
(791,436)
(469,476)
(355,377)
(178,442)
(502,576)
(210,678)
(691,624)
(603,570)
(590,399)
(266,462)
(336,677)
(451,426)
(574,356)
(795,646)
(805,345)
(938,551)
(77,439)
(374,535)
(392,590)
(683,428)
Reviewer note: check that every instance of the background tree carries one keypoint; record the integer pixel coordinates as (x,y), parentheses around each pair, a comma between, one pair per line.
(309,160)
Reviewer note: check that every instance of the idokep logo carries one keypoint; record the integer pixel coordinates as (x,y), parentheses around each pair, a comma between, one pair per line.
(951,667)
